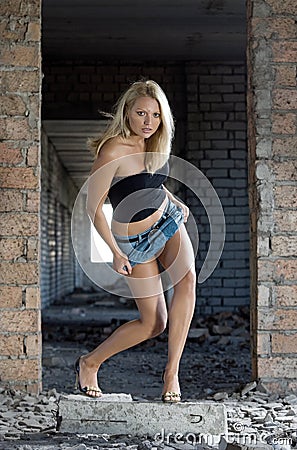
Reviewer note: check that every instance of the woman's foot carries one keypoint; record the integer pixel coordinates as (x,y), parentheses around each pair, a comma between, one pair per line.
(171,391)
(86,378)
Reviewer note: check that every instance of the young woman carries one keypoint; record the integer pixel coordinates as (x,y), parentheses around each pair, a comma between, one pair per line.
(130,168)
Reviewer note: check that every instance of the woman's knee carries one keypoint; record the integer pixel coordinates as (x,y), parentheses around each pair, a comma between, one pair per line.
(156,326)
(188,282)
(160,326)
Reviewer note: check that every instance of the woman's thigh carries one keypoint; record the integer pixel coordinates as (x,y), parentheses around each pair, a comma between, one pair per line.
(145,280)
(178,257)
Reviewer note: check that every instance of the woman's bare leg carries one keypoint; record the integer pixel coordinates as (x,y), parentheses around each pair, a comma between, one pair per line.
(152,321)
(178,259)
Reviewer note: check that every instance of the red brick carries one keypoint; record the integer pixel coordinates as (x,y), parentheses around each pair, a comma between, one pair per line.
(33,33)
(19,177)
(11,249)
(277,367)
(33,155)
(33,201)
(286,196)
(281,319)
(10,297)
(285,296)
(274,28)
(14,224)
(32,388)
(21,56)
(32,249)
(286,270)
(284,343)
(33,344)
(284,51)
(284,123)
(19,273)
(285,99)
(9,154)
(279,386)
(11,200)
(11,345)
(20,81)
(283,7)
(284,246)
(16,129)
(15,33)
(12,105)
(285,147)
(285,171)
(34,8)
(34,101)
(32,298)
(20,321)
(19,370)
(285,221)
(10,7)
(286,75)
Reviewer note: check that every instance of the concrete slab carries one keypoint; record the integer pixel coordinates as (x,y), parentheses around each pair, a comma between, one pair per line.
(118,414)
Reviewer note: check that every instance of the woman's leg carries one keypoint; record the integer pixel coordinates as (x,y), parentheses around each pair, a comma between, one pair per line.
(178,259)
(152,321)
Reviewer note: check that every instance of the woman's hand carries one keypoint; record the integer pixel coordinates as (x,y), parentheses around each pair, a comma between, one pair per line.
(184,208)
(121,264)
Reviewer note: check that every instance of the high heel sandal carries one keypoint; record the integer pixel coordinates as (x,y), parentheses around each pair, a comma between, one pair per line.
(87,389)
(170,396)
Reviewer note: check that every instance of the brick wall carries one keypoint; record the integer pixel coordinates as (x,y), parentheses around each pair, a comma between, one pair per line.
(78,91)
(208,102)
(58,193)
(217,145)
(20,340)
(272,103)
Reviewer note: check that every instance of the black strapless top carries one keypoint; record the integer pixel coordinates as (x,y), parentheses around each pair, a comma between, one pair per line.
(138,196)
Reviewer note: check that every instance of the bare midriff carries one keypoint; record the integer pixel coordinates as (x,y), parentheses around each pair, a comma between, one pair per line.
(128,229)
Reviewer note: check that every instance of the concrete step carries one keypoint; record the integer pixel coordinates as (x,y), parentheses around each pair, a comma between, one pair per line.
(119,414)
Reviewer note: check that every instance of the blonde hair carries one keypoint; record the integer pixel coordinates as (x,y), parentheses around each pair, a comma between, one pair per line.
(158,146)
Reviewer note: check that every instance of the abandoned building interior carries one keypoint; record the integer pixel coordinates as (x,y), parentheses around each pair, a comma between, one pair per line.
(229,70)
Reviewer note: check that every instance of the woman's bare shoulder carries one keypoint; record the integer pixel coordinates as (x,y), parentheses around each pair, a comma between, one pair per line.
(110,153)
(114,148)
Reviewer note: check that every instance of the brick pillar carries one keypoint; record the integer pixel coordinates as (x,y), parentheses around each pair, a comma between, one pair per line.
(20,333)
(272,106)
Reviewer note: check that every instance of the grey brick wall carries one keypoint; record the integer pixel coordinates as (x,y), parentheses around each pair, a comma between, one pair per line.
(217,145)
(58,194)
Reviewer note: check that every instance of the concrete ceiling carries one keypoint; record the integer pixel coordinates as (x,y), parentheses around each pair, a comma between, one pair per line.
(69,137)
(133,30)
(138,30)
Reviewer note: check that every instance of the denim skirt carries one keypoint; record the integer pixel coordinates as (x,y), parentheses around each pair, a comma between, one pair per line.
(146,245)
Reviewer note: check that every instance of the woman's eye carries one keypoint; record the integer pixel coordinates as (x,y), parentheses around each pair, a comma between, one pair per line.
(157,115)
(140,113)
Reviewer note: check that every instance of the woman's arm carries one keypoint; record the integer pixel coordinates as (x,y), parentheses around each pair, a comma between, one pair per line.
(181,205)
(102,173)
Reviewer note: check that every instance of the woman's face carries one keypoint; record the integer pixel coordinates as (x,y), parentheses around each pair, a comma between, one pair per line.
(144,117)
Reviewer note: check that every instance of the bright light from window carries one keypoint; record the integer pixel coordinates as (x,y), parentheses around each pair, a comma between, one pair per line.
(100,252)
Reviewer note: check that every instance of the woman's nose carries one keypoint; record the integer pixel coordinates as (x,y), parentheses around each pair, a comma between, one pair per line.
(147,119)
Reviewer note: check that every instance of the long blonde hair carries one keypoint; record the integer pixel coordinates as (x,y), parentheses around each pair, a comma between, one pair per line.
(158,146)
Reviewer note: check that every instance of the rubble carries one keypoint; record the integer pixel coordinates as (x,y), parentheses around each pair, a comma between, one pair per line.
(215,366)
(29,422)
